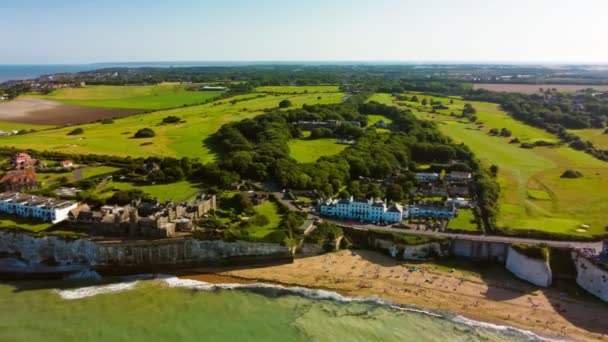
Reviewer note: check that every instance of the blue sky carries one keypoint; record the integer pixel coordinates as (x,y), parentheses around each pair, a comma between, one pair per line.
(84,31)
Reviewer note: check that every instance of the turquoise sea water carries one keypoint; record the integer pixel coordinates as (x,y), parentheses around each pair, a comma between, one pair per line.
(183,310)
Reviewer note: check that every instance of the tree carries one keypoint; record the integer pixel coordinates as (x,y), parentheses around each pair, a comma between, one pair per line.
(285,104)
(171,119)
(144,133)
(424,102)
(76,131)
(394,192)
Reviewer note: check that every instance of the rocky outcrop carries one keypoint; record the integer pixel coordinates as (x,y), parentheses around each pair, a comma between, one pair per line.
(591,277)
(535,271)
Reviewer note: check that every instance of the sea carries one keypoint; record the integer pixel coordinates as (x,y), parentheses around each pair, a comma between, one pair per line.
(161,308)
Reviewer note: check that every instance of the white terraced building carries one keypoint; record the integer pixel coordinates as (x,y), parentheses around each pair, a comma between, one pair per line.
(37,207)
(362,210)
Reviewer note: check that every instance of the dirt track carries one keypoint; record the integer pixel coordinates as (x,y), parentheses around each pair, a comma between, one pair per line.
(45,112)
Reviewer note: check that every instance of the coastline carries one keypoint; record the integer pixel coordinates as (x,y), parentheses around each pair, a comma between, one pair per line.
(492,295)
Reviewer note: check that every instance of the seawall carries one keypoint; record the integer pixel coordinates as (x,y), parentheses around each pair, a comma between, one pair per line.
(535,271)
(591,277)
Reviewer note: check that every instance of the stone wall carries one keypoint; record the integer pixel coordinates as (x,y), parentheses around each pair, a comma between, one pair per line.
(535,271)
(420,252)
(591,277)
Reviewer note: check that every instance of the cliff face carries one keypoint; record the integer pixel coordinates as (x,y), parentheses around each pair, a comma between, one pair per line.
(35,249)
(412,252)
(479,250)
(535,271)
(133,254)
(591,277)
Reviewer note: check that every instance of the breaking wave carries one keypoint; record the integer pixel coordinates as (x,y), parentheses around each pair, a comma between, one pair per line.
(272,290)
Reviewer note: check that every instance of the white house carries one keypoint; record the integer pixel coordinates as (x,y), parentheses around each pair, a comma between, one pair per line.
(457,176)
(458,202)
(362,210)
(422,210)
(37,207)
(427,176)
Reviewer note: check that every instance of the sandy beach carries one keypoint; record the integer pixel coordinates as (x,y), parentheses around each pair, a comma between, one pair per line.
(481,292)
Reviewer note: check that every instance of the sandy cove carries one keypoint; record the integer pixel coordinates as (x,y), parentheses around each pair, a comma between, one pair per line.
(481,292)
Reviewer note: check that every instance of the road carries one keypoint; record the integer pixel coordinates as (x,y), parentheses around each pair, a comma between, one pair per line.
(470,237)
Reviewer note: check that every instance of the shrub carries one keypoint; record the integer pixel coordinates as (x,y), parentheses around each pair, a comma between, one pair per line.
(526,145)
(76,131)
(571,174)
(171,119)
(107,121)
(285,104)
(259,220)
(144,133)
(540,251)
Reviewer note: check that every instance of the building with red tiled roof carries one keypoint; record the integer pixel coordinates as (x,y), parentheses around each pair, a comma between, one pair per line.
(18,180)
(22,161)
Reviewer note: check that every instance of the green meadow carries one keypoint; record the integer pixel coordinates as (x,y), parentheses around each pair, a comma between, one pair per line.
(177,192)
(17,126)
(308,151)
(533,196)
(595,135)
(183,139)
(372,119)
(268,209)
(153,97)
(298,89)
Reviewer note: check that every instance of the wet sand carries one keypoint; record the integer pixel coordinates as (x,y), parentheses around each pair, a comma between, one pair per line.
(485,293)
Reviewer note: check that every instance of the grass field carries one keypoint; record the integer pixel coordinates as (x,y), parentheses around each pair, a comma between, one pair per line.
(180,191)
(308,151)
(298,89)
(528,176)
(153,97)
(17,126)
(463,221)
(595,135)
(98,171)
(269,210)
(172,140)
(372,119)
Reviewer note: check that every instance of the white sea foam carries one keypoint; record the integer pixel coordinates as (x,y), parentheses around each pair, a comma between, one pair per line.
(130,283)
(91,291)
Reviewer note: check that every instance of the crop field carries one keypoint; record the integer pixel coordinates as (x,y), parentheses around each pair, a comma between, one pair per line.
(154,97)
(308,151)
(298,89)
(535,88)
(533,196)
(183,139)
(595,135)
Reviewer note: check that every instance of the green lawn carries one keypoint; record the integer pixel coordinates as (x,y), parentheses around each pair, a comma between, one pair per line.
(308,151)
(525,172)
(268,209)
(595,135)
(171,140)
(98,171)
(16,222)
(167,95)
(463,221)
(298,89)
(177,192)
(372,119)
(17,126)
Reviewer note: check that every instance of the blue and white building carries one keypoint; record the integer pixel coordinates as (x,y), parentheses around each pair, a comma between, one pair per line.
(36,207)
(362,210)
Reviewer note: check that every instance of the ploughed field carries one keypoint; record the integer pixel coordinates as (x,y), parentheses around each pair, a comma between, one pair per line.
(154,97)
(533,196)
(535,88)
(184,139)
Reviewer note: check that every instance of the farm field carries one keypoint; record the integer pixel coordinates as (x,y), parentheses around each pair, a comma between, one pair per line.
(535,88)
(172,140)
(595,135)
(308,151)
(533,196)
(298,89)
(153,97)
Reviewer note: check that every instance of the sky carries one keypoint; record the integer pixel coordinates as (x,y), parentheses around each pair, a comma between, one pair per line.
(514,31)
